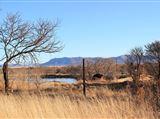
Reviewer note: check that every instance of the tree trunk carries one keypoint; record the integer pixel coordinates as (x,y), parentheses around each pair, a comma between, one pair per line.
(5,76)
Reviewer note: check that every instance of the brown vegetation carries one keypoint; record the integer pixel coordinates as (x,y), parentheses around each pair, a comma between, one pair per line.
(32,106)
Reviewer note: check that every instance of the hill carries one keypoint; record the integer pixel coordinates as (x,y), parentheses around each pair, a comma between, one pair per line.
(66,61)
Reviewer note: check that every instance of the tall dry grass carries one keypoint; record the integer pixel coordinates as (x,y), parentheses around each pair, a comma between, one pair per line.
(114,105)
(35,107)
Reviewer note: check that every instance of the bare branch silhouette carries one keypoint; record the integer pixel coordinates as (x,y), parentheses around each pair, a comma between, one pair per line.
(21,40)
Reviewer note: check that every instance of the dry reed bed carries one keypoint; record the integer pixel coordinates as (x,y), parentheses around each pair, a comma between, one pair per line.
(33,107)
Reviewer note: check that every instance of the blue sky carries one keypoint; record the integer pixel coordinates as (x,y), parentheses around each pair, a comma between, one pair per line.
(91,29)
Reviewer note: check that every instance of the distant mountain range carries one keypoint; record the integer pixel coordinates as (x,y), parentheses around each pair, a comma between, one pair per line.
(67,61)
(71,61)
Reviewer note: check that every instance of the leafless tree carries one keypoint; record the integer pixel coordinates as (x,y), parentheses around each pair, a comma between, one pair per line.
(153,65)
(99,66)
(98,63)
(153,59)
(108,68)
(89,68)
(20,41)
(133,62)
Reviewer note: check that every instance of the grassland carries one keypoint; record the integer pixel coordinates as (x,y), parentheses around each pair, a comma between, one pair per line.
(35,107)
(57,100)
(34,100)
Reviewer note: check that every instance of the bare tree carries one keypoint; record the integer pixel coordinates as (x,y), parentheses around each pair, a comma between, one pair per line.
(153,66)
(153,59)
(99,66)
(89,68)
(108,68)
(133,62)
(98,63)
(21,41)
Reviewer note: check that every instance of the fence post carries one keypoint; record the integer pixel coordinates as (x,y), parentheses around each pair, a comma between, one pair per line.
(84,79)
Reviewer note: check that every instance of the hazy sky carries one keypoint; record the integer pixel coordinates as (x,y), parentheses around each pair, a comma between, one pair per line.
(92,29)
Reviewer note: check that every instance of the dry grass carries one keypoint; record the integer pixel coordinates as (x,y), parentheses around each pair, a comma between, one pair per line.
(101,102)
(27,106)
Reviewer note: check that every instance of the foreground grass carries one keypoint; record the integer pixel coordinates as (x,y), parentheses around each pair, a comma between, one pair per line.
(33,106)
(101,103)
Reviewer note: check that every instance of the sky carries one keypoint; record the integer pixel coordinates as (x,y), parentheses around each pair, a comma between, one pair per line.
(93,28)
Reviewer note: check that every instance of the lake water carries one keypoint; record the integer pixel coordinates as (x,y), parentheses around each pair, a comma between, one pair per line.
(63,80)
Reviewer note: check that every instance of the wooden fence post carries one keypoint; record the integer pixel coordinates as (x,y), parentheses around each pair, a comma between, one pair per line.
(84,79)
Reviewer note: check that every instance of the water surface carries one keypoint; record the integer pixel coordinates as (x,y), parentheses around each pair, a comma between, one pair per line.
(62,80)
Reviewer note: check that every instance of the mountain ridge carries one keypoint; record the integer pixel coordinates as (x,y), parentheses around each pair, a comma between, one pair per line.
(70,61)
(67,61)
